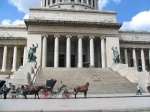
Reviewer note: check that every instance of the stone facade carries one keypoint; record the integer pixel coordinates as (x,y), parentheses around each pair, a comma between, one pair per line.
(72,34)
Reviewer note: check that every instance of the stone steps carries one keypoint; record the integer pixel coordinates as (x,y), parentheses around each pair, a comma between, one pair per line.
(110,82)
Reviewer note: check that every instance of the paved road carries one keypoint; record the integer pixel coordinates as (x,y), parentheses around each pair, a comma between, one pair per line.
(102,104)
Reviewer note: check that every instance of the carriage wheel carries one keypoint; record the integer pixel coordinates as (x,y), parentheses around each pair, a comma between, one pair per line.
(44,93)
(66,95)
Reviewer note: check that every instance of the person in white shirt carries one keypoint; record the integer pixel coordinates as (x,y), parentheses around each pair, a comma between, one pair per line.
(138,90)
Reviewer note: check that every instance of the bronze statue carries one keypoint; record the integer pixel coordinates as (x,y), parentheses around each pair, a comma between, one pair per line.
(31,53)
(116,55)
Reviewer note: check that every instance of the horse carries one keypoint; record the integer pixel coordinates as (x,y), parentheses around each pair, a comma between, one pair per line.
(81,89)
(31,90)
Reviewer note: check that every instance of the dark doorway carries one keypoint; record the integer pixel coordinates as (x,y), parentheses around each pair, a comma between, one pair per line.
(72,60)
(61,60)
(140,64)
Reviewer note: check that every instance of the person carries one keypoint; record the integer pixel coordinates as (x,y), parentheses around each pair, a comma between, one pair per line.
(5,91)
(138,90)
(22,91)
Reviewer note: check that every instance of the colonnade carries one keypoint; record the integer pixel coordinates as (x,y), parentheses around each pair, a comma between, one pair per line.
(92,3)
(15,58)
(68,51)
(135,57)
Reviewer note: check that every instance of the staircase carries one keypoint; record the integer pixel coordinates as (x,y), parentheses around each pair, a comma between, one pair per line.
(109,83)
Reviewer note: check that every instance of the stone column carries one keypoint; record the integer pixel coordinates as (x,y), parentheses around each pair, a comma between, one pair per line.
(103,53)
(4,59)
(46,3)
(68,51)
(143,60)
(134,58)
(97,5)
(44,51)
(80,56)
(92,51)
(149,57)
(56,51)
(126,55)
(51,2)
(14,59)
(92,3)
(25,55)
(81,1)
(87,2)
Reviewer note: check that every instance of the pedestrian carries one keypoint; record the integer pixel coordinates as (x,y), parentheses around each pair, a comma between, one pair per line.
(5,91)
(138,90)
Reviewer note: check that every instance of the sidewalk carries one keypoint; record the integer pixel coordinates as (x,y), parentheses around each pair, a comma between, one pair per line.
(94,103)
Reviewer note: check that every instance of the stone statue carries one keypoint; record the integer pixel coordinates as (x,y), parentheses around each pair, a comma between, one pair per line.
(31,53)
(116,55)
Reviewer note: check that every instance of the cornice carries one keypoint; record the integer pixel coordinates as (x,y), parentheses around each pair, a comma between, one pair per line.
(13,38)
(134,42)
(72,23)
(73,34)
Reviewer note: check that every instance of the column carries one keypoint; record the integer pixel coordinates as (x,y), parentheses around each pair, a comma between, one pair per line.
(14,59)
(51,2)
(81,1)
(56,51)
(103,52)
(25,55)
(92,3)
(143,60)
(68,51)
(44,51)
(87,1)
(46,3)
(134,58)
(126,55)
(4,59)
(92,51)
(149,59)
(80,56)
(95,5)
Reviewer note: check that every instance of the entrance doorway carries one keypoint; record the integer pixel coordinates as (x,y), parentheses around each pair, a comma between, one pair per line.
(61,60)
(72,60)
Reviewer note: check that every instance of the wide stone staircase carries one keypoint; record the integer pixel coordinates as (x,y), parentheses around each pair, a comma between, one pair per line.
(102,81)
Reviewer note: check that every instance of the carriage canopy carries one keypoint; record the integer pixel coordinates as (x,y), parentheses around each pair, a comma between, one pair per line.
(2,82)
(50,83)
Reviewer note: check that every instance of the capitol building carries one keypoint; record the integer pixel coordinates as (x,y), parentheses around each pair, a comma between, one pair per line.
(73,34)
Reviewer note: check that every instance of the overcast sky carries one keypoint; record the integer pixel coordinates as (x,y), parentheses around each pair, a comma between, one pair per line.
(134,14)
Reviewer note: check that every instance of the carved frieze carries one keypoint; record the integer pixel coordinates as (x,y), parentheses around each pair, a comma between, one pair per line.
(135,38)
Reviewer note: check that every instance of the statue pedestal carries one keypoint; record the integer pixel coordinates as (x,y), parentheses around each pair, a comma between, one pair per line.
(24,74)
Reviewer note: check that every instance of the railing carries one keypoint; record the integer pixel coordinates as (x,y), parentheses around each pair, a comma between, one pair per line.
(36,74)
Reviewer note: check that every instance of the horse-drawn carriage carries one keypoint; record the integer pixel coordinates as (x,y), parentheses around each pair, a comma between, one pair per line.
(48,92)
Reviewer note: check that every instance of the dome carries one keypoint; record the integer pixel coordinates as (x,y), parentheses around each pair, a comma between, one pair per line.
(71,4)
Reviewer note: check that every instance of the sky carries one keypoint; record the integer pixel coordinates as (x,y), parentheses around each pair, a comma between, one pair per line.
(133,14)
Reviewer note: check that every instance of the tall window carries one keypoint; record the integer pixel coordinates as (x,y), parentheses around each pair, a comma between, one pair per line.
(84,1)
(60,0)
(48,2)
(72,0)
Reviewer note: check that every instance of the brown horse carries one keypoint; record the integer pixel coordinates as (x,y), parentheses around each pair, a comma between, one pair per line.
(81,89)
(29,90)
